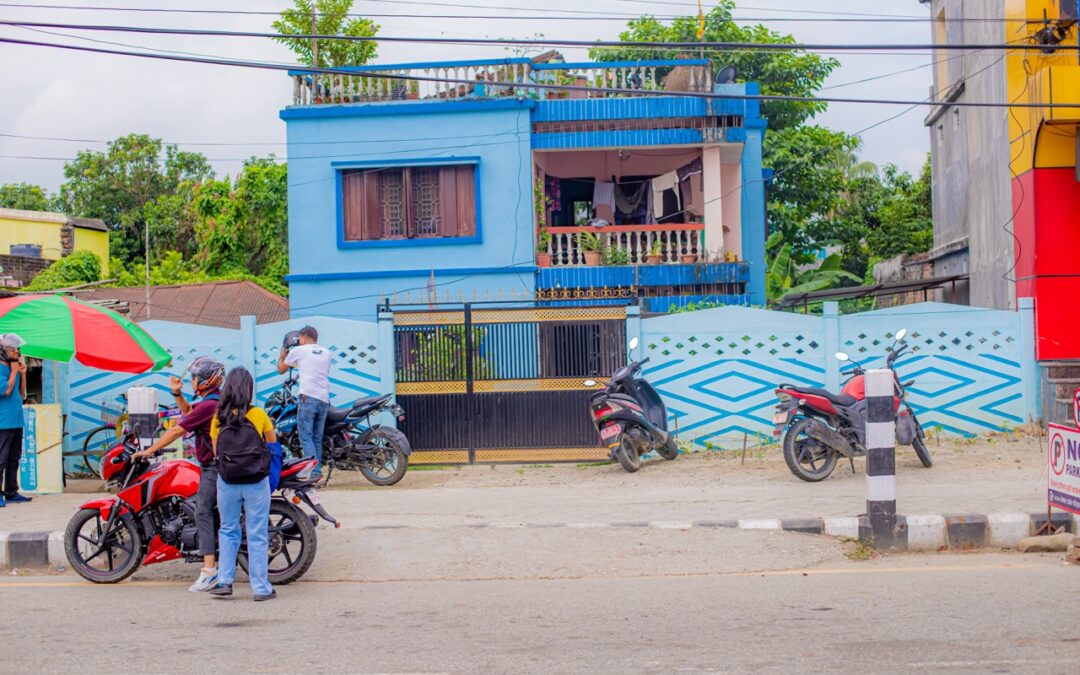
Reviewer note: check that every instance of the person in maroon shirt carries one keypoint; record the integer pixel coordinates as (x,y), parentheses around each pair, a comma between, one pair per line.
(206,378)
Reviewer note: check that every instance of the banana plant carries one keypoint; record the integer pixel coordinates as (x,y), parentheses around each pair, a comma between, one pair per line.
(784,277)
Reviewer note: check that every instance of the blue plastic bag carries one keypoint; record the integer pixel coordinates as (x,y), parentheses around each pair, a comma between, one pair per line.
(275,464)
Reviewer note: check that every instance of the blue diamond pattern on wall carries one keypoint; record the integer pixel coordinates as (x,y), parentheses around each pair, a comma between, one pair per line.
(967,369)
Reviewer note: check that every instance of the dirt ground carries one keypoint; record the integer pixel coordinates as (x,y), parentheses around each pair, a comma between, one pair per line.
(994,454)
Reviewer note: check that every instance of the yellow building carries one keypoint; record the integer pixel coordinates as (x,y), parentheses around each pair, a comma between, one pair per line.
(56,234)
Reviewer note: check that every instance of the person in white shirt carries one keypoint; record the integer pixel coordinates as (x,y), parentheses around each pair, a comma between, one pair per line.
(313,362)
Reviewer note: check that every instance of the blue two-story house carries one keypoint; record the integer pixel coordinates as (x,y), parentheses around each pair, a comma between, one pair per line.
(477,181)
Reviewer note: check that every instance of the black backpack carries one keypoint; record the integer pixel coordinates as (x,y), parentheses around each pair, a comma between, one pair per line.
(242,454)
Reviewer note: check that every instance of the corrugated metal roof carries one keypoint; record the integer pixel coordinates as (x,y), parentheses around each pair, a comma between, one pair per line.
(215,303)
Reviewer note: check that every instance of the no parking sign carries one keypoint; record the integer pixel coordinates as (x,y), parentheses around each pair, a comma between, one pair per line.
(1063,459)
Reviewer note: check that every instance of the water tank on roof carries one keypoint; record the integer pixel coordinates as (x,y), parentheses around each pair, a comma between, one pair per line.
(26,250)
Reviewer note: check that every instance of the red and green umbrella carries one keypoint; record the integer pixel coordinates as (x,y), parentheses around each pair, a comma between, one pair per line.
(62,328)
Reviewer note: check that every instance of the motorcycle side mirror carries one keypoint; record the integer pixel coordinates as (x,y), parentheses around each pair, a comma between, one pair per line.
(633,344)
(590,383)
(901,334)
(842,356)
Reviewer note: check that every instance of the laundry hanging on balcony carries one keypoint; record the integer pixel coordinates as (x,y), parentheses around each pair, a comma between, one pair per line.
(660,184)
(603,201)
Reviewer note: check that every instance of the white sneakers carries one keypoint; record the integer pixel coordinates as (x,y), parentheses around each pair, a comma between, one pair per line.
(207,580)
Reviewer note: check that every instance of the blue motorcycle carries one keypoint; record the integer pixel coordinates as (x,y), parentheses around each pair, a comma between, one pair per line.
(350,441)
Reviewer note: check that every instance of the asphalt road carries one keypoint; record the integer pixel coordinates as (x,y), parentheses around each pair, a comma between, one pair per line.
(938,613)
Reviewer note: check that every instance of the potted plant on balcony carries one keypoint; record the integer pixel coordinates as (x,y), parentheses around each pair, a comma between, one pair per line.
(688,258)
(543,248)
(615,256)
(591,247)
(655,257)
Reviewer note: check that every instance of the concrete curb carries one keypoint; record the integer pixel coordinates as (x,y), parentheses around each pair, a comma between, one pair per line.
(916,532)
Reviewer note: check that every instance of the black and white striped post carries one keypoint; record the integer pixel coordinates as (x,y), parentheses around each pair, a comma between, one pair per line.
(881,456)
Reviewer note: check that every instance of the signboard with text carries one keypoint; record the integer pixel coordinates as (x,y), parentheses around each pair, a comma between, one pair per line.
(1063,459)
(41,467)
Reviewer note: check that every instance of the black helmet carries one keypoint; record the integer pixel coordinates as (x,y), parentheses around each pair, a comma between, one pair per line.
(209,372)
(292,338)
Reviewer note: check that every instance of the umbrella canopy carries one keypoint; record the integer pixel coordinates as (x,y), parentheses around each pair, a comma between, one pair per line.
(61,328)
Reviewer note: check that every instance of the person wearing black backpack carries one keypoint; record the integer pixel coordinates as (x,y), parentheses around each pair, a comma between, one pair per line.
(244,441)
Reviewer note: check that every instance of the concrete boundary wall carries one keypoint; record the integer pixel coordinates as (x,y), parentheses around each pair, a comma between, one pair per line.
(717,369)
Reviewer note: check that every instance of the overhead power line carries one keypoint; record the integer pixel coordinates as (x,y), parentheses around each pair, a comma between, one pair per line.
(531,85)
(809,16)
(548,42)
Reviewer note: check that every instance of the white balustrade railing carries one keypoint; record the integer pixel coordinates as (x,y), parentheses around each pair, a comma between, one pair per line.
(625,244)
(446,82)
(471,80)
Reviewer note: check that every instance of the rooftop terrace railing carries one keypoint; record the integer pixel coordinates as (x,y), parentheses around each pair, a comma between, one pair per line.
(493,78)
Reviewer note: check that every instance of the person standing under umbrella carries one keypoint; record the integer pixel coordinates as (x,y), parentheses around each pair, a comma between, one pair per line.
(12,393)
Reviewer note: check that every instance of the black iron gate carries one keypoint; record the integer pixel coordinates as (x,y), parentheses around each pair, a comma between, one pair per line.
(504,385)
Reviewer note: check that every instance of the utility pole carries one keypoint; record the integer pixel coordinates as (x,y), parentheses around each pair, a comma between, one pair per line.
(314,42)
(146,253)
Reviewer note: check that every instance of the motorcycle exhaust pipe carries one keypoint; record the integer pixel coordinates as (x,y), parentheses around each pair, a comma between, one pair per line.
(823,434)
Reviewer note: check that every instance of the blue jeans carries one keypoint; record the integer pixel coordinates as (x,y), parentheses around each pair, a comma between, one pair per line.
(310,421)
(255,500)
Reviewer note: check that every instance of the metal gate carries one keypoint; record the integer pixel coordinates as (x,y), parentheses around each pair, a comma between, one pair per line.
(504,385)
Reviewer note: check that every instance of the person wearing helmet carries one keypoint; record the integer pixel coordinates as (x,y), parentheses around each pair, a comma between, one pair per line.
(12,394)
(207,375)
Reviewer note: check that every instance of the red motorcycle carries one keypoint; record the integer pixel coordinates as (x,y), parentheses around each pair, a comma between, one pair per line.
(151,519)
(822,427)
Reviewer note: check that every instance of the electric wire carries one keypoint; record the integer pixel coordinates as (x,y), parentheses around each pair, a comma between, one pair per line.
(812,16)
(551,42)
(535,85)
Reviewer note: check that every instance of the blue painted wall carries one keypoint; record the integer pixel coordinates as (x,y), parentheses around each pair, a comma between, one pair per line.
(717,369)
(329,280)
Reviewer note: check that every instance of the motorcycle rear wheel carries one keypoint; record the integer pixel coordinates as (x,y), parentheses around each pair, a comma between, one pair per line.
(627,454)
(386,463)
(293,544)
(807,458)
(79,547)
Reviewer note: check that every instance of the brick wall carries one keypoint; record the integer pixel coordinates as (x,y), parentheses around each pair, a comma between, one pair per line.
(17,271)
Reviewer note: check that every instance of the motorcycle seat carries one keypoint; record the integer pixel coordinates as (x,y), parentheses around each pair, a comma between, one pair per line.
(335,415)
(839,399)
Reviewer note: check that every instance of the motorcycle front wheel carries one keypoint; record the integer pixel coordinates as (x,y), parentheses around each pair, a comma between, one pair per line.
(669,450)
(806,457)
(292,544)
(106,560)
(920,445)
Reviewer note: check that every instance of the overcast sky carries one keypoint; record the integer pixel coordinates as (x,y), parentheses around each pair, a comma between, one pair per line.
(57,93)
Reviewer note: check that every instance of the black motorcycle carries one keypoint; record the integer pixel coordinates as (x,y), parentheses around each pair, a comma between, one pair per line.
(350,441)
(631,417)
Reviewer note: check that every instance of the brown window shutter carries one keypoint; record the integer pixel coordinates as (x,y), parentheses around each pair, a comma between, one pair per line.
(369,217)
(352,205)
(448,211)
(465,200)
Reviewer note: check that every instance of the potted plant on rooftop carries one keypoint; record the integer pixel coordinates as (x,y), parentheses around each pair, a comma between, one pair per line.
(591,247)
(543,248)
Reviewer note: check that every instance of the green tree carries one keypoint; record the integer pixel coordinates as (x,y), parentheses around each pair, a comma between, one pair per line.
(805,194)
(81,267)
(117,185)
(331,18)
(24,196)
(785,73)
